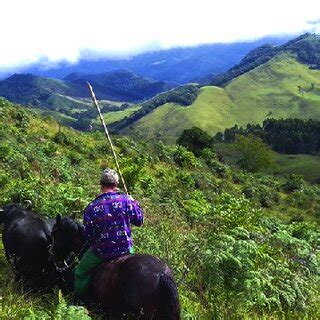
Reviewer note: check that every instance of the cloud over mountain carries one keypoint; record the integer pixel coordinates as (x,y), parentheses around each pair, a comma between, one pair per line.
(51,31)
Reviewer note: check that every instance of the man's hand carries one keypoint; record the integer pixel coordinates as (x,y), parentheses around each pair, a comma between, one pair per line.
(130,197)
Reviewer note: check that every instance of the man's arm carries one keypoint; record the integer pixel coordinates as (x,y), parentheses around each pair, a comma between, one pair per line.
(88,224)
(135,213)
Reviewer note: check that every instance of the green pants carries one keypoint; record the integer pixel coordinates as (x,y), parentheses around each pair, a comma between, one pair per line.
(84,269)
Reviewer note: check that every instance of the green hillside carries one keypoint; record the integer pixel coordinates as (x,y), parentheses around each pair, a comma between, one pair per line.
(169,120)
(238,243)
(304,164)
(272,89)
(280,88)
(113,116)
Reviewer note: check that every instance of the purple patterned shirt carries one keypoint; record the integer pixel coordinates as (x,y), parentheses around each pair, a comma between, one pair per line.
(107,224)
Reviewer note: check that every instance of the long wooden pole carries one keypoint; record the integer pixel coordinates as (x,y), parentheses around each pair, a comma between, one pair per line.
(95,102)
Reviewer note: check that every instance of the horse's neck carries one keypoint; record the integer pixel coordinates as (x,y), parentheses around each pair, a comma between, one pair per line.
(50,222)
(81,247)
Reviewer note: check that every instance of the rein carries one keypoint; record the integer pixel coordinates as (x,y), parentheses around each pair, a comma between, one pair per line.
(74,258)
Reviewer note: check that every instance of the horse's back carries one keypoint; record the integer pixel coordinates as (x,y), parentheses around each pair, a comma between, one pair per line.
(131,283)
(140,270)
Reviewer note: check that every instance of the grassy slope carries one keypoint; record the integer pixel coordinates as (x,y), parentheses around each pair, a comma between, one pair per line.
(58,102)
(272,89)
(269,90)
(58,116)
(306,165)
(118,115)
(303,164)
(169,120)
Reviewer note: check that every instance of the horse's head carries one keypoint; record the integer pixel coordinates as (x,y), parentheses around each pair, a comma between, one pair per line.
(67,239)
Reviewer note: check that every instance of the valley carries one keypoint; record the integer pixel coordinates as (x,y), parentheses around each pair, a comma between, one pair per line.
(231,201)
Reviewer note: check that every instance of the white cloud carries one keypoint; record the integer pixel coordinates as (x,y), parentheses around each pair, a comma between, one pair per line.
(34,30)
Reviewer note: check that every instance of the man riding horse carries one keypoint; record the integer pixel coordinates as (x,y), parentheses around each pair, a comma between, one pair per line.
(107,222)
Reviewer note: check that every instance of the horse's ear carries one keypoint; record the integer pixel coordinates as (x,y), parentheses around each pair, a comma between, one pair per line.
(28,204)
(58,218)
(73,215)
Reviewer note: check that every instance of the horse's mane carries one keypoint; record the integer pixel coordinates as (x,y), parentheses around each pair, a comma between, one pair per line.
(71,226)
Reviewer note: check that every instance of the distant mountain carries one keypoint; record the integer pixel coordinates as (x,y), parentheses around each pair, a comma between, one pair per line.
(121,83)
(180,65)
(285,85)
(38,91)
(306,47)
(33,90)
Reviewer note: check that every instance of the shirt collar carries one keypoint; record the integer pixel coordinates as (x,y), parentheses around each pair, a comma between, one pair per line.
(107,194)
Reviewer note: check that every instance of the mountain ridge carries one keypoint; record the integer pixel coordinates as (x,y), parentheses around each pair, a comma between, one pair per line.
(306,46)
(181,64)
(34,90)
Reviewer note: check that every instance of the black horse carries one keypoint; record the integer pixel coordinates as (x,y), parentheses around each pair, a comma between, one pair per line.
(140,285)
(26,239)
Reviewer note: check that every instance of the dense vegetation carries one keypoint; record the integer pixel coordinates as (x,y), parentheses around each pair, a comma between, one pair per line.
(241,245)
(285,135)
(251,152)
(195,140)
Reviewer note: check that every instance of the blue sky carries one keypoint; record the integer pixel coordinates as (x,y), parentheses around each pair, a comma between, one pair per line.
(51,31)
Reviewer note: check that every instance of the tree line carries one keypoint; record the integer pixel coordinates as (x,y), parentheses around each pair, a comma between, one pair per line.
(291,136)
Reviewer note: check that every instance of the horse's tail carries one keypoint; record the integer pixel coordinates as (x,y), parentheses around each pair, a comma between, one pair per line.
(169,306)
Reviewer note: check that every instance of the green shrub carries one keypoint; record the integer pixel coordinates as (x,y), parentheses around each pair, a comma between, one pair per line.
(195,140)
(268,197)
(234,211)
(184,158)
(293,183)
(195,206)
(213,163)
(255,154)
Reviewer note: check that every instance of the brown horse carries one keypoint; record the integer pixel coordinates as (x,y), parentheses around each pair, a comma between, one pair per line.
(139,285)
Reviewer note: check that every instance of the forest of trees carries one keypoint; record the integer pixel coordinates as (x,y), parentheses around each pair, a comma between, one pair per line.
(291,136)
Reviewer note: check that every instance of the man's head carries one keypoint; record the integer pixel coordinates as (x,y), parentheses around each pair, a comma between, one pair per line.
(109,179)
